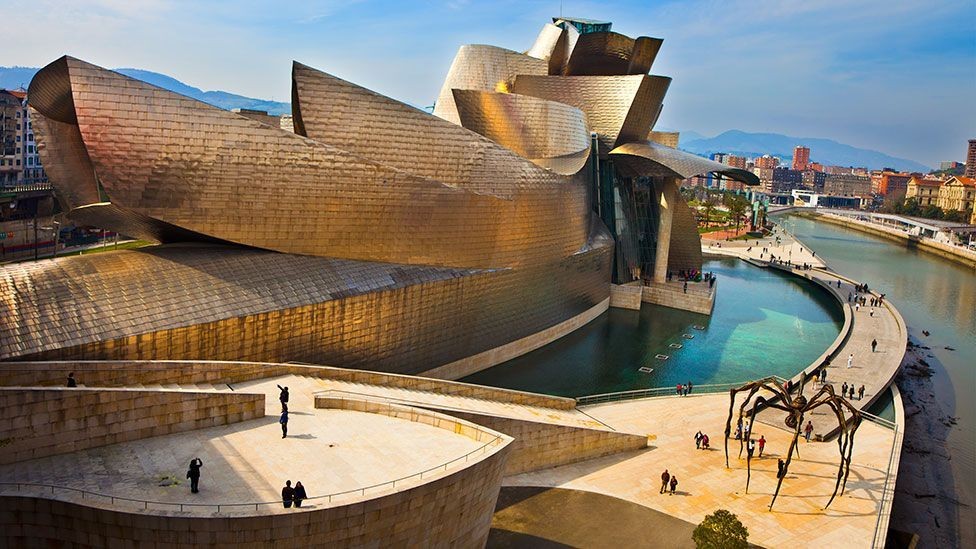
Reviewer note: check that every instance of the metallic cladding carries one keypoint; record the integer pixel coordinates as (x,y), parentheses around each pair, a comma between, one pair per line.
(611,53)
(550,134)
(648,156)
(619,108)
(186,164)
(232,303)
(485,68)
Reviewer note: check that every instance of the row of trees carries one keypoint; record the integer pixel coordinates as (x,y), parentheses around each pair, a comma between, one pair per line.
(910,206)
(706,202)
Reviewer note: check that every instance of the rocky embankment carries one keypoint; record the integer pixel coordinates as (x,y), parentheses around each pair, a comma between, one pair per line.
(925,500)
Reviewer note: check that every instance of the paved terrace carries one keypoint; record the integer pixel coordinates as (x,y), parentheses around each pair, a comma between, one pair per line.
(329,450)
(704,484)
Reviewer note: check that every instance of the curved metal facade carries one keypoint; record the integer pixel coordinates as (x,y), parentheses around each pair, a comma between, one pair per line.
(375,235)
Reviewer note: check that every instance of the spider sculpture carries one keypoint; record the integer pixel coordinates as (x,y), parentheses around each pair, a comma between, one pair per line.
(795,406)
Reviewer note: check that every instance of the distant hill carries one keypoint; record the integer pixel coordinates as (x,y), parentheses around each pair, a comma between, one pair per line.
(824,151)
(16,77)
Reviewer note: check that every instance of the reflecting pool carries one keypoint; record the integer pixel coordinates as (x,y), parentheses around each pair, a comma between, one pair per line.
(765,323)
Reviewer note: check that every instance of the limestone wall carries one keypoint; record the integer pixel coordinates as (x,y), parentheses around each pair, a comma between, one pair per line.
(626,296)
(671,295)
(543,445)
(452,511)
(129,373)
(38,422)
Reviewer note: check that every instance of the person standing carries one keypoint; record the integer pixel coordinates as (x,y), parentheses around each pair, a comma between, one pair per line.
(860,392)
(871,313)
(698,439)
(808,430)
(284,423)
(299,494)
(71,380)
(780,469)
(665,477)
(850,360)
(677,390)
(689,387)
(704,442)
(843,389)
(874,345)
(852,391)
(283,397)
(194,474)
(762,444)
(287,494)
(686,286)
(674,484)
(750,448)
(823,375)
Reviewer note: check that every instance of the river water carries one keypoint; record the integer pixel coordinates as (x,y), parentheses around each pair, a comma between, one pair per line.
(932,294)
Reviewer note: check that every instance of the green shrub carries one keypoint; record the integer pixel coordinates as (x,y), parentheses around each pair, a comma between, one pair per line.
(720,530)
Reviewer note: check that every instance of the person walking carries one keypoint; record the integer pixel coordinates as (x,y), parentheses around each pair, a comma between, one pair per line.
(850,360)
(698,439)
(871,313)
(665,477)
(874,345)
(674,484)
(299,494)
(750,448)
(860,392)
(762,444)
(287,494)
(194,474)
(780,469)
(808,430)
(284,423)
(843,389)
(71,380)
(686,286)
(283,397)
(704,442)
(823,375)
(677,390)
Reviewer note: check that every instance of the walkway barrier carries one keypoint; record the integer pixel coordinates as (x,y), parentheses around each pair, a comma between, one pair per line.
(660,392)
(40,490)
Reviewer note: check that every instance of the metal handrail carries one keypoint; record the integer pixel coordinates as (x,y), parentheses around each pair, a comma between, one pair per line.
(880,536)
(182,506)
(658,391)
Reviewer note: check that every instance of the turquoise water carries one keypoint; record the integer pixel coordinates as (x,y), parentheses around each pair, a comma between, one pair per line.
(764,323)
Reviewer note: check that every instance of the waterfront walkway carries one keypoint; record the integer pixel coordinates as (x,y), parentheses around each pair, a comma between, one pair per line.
(875,370)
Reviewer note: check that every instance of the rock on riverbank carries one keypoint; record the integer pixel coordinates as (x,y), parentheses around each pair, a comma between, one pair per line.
(925,500)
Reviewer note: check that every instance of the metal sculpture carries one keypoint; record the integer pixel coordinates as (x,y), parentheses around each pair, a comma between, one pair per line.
(796,406)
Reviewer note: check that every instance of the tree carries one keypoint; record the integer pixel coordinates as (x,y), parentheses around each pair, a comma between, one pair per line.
(737,205)
(709,206)
(721,530)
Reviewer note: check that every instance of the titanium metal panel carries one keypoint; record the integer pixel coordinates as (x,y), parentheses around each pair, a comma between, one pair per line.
(552,135)
(610,53)
(650,158)
(365,123)
(230,303)
(619,108)
(485,68)
(685,249)
(186,164)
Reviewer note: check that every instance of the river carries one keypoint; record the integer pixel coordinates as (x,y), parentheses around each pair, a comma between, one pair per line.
(932,294)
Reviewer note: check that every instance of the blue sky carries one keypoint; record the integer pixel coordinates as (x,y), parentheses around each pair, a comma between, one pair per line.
(896,76)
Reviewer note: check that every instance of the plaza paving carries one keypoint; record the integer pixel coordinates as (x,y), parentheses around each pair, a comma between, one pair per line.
(704,484)
(329,450)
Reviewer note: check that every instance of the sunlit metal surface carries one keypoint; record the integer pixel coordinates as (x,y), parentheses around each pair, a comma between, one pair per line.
(552,135)
(650,158)
(619,108)
(486,68)
(610,53)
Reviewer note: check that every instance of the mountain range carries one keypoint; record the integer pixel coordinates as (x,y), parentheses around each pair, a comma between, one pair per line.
(12,78)
(824,151)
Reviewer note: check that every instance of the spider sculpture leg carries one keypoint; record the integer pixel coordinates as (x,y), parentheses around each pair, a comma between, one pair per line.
(789,456)
(752,388)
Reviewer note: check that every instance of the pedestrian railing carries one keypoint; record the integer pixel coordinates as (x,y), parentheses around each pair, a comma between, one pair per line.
(42,490)
(659,392)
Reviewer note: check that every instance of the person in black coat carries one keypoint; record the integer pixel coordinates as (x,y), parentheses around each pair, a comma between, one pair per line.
(71,380)
(283,398)
(299,494)
(287,494)
(194,474)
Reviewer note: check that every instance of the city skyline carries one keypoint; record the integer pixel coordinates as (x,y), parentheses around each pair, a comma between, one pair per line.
(870,75)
